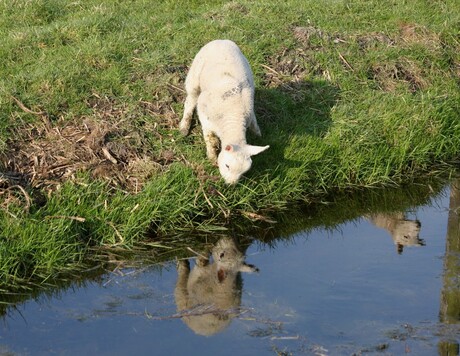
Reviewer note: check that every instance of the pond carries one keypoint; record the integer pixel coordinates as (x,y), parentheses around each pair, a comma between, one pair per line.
(345,279)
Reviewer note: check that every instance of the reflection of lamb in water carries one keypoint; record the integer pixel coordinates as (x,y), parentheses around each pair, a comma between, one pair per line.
(215,285)
(403,232)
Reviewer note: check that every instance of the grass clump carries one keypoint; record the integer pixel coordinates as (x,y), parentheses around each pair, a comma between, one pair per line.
(349,95)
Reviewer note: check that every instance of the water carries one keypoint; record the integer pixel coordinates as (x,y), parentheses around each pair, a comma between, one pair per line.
(333,289)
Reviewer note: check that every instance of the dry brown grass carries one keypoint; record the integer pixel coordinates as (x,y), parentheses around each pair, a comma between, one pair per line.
(106,144)
(411,34)
(390,75)
(290,69)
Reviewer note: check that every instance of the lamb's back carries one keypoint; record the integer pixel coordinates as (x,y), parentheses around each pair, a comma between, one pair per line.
(223,66)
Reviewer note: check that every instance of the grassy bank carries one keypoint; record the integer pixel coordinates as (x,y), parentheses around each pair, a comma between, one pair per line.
(349,95)
(342,207)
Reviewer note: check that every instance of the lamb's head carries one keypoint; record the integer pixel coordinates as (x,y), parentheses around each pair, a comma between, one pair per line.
(406,233)
(235,160)
(229,259)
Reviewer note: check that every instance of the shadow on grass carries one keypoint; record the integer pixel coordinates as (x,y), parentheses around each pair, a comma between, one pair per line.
(294,110)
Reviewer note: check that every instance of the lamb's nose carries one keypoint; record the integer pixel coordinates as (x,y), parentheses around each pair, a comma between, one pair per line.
(231,181)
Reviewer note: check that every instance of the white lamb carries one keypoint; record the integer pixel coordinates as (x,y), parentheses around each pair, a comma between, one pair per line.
(221,86)
(216,285)
(403,232)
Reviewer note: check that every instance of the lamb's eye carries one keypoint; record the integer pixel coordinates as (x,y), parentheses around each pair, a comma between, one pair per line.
(228,167)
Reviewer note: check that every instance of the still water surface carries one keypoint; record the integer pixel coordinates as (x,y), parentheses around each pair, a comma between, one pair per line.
(383,284)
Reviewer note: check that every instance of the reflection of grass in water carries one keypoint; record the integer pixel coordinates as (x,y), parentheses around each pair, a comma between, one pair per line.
(345,206)
(264,332)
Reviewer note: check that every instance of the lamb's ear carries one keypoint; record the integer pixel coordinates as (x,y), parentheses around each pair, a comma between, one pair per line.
(248,268)
(254,150)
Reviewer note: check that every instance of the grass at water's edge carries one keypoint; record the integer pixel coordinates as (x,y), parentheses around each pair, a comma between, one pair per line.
(328,214)
(355,95)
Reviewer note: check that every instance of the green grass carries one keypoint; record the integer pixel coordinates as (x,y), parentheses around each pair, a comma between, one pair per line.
(350,94)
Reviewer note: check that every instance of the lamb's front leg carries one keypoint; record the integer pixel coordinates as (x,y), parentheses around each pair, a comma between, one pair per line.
(212,145)
(189,107)
(181,291)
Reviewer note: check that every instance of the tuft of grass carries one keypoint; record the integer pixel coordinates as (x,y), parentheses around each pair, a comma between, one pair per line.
(349,96)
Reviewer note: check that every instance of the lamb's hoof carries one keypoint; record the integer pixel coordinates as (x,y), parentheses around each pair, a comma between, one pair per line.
(183,265)
(184,129)
(213,160)
(202,262)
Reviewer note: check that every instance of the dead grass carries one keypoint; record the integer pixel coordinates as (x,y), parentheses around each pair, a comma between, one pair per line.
(391,75)
(414,34)
(13,195)
(372,40)
(106,144)
(409,34)
(290,69)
